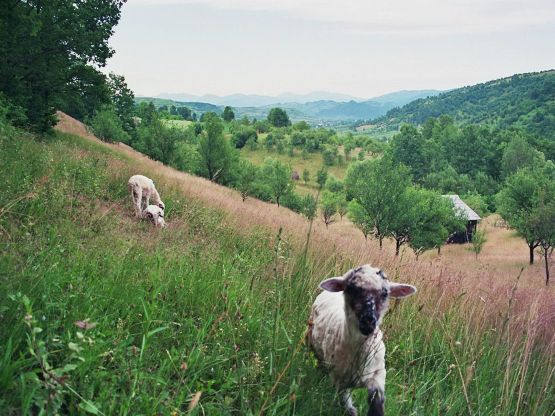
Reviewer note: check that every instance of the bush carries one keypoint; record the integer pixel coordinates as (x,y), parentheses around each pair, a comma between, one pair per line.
(106,125)
(242,135)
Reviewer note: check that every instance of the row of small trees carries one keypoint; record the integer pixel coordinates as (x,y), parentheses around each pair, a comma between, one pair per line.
(384,203)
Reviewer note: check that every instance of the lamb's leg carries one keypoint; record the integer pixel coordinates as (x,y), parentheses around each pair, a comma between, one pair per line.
(137,199)
(347,402)
(376,399)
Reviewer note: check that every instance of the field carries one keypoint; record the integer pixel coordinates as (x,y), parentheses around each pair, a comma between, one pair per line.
(177,123)
(109,316)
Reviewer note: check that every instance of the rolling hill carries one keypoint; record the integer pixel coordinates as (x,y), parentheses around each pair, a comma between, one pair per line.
(522,100)
(334,108)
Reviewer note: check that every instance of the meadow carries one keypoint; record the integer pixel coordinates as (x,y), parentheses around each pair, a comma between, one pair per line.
(102,314)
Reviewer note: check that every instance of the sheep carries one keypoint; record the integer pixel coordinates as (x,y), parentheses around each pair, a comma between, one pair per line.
(142,188)
(343,332)
(155,214)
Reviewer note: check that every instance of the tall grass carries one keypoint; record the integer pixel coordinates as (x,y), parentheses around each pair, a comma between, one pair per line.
(102,314)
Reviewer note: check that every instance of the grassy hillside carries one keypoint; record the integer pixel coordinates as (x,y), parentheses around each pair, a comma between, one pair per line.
(523,100)
(102,314)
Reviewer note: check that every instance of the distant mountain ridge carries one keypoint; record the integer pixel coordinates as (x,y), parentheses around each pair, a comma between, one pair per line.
(254,100)
(525,100)
(342,108)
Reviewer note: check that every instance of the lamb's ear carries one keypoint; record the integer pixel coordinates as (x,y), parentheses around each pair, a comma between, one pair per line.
(398,290)
(334,284)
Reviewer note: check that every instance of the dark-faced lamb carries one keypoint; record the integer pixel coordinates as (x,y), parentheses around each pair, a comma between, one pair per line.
(345,336)
(142,190)
(155,214)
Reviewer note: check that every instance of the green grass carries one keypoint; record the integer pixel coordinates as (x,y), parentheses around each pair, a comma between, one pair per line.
(199,307)
(182,124)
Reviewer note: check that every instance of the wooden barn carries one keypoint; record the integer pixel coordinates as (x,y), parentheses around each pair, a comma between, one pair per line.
(471,220)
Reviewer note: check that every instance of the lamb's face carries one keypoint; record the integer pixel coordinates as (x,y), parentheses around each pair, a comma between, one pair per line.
(367,291)
(155,214)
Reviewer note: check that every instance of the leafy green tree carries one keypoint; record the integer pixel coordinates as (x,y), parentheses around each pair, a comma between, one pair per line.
(334,184)
(542,225)
(433,220)
(248,174)
(278,117)
(158,141)
(520,198)
(478,241)
(242,134)
(123,100)
(185,113)
(357,214)
(147,113)
(408,147)
(306,176)
(329,155)
(519,154)
(309,207)
(321,177)
(328,207)
(106,125)
(44,47)
(342,205)
(377,186)
(214,150)
(277,176)
(228,114)
(301,126)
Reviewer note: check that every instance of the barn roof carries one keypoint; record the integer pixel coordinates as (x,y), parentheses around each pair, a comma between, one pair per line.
(464,209)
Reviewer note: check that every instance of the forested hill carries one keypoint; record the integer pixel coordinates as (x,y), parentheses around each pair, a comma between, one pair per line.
(522,100)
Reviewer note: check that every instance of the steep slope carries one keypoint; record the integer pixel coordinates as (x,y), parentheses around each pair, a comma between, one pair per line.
(101,313)
(522,100)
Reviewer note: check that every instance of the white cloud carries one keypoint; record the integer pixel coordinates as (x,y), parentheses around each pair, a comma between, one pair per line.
(399,16)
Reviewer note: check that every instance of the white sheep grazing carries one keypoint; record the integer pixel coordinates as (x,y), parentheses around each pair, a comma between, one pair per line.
(155,214)
(345,336)
(142,189)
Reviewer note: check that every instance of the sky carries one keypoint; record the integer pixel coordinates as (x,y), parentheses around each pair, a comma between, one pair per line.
(364,48)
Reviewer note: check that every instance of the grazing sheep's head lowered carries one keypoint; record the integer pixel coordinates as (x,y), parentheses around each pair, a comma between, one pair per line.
(367,291)
(155,214)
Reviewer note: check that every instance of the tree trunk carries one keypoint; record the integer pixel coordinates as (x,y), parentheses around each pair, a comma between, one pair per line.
(439,250)
(397,247)
(381,242)
(546,267)
(531,247)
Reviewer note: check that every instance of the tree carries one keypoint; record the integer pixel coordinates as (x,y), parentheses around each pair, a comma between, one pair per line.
(478,241)
(321,177)
(519,199)
(214,150)
(185,113)
(357,215)
(106,125)
(278,177)
(433,220)
(247,175)
(377,186)
(278,117)
(228,114)
(342,205)
(335,185)
(309,207)
(306,176)
(45,45)
(123,101)
(242,134)
(543,227)
(519,154)
(328,207)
